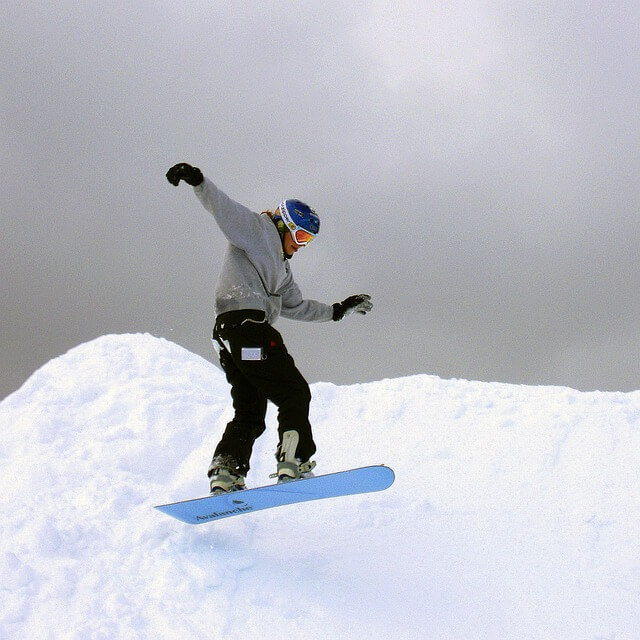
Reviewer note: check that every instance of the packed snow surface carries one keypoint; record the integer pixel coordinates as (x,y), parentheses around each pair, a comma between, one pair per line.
(515,512)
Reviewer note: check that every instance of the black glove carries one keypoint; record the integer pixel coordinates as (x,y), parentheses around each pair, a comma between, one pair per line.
(183,171)
(360,303)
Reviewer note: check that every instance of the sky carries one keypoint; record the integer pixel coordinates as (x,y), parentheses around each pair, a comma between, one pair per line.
(474,166)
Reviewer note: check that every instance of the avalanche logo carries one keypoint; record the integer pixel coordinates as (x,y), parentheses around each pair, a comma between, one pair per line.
(239,507)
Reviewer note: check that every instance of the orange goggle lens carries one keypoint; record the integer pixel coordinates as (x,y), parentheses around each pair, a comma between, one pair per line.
(302,236)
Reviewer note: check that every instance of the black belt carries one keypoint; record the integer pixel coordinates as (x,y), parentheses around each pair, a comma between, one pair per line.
(233,319)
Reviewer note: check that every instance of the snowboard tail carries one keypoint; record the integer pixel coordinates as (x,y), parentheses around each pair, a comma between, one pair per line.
(331,485)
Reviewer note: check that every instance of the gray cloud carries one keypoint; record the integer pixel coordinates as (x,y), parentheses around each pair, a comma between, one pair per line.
(475,168)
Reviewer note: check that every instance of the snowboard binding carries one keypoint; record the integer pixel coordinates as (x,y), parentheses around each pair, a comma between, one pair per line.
(223,476)
(289,467)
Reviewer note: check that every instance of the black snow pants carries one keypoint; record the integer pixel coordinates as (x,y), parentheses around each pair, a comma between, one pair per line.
(259,368)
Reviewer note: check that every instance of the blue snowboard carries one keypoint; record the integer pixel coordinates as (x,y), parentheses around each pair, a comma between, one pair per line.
(332,485)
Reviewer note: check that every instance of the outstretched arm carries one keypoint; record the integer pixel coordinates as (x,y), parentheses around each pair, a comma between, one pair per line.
(239,224)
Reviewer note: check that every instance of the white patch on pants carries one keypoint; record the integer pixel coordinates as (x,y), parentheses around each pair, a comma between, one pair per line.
(251,353)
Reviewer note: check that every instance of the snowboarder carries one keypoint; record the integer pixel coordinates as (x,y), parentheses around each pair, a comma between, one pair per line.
(255,287)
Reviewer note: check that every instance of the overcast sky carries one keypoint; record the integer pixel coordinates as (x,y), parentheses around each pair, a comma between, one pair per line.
(475,166)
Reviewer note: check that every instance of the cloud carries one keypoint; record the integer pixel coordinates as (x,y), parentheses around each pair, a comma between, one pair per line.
(475,169)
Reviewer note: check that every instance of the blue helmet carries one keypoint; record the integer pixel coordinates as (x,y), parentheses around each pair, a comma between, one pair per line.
(301,220)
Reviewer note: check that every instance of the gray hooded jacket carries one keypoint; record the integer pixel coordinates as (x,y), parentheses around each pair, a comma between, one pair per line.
(255,273)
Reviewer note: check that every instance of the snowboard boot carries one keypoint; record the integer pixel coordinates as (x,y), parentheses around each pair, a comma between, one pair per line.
(224,477)
(289,467)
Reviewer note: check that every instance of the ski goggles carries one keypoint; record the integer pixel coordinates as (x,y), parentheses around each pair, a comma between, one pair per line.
(301,235)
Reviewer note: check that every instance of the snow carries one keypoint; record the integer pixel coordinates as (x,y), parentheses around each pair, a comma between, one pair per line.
(515,512)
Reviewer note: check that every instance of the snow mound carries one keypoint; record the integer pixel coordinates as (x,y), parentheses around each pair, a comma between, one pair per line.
(515,512)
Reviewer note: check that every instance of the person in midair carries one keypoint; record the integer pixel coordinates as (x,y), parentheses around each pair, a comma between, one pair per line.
(254,289)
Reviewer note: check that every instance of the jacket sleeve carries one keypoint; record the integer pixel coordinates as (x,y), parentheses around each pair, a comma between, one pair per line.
(239,224)
(295,307)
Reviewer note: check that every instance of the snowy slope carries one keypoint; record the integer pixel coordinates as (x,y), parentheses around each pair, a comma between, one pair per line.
(515,512)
